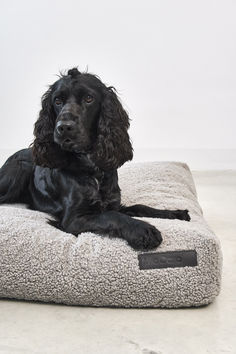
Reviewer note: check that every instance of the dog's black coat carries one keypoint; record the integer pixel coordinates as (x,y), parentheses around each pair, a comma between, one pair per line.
(70,171)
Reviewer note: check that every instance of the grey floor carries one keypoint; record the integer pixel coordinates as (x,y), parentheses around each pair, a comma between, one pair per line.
(42,328)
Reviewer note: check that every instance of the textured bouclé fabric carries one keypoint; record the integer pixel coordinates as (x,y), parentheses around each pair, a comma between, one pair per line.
(40,262)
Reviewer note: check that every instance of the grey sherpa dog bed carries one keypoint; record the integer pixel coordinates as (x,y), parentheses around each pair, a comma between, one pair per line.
(39,262)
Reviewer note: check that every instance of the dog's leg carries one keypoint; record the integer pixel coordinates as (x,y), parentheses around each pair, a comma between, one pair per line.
(138,234)
(15,177)
(146,211)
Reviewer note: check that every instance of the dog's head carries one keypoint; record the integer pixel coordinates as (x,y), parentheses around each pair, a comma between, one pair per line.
(81,115)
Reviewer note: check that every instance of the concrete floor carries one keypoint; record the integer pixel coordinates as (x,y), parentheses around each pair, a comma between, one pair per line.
(42,328)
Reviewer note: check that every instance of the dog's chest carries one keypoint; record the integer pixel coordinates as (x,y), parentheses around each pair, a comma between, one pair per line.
(98,190)
(90,188)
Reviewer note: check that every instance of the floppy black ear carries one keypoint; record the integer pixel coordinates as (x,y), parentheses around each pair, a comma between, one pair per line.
(46,152)
(113,147)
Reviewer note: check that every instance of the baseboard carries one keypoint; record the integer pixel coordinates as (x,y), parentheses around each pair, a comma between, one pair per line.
(197,159)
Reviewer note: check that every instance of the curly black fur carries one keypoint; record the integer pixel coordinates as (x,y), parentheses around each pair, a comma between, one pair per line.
(112,147)
(70,170)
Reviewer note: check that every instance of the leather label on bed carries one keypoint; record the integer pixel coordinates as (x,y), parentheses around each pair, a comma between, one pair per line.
(168,259)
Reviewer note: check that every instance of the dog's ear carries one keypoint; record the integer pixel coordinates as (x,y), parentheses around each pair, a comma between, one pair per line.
(46,152)
(113,147)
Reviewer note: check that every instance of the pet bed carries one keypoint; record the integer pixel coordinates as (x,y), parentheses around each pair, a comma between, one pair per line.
(40,262)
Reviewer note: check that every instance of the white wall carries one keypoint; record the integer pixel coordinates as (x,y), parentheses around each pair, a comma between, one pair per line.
(173,63)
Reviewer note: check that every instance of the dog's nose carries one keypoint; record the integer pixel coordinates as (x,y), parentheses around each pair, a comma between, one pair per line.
(64,127)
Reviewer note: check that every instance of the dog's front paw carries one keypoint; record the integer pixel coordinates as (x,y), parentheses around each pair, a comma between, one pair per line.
(144,236)
(182,215)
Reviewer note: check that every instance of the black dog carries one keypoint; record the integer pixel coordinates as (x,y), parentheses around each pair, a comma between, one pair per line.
(70,171)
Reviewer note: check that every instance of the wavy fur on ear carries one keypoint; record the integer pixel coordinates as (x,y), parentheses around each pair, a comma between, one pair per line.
(113,147)
(46,152)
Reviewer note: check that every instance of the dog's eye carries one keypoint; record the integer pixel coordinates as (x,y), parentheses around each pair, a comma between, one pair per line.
(88,98)
(58,101)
